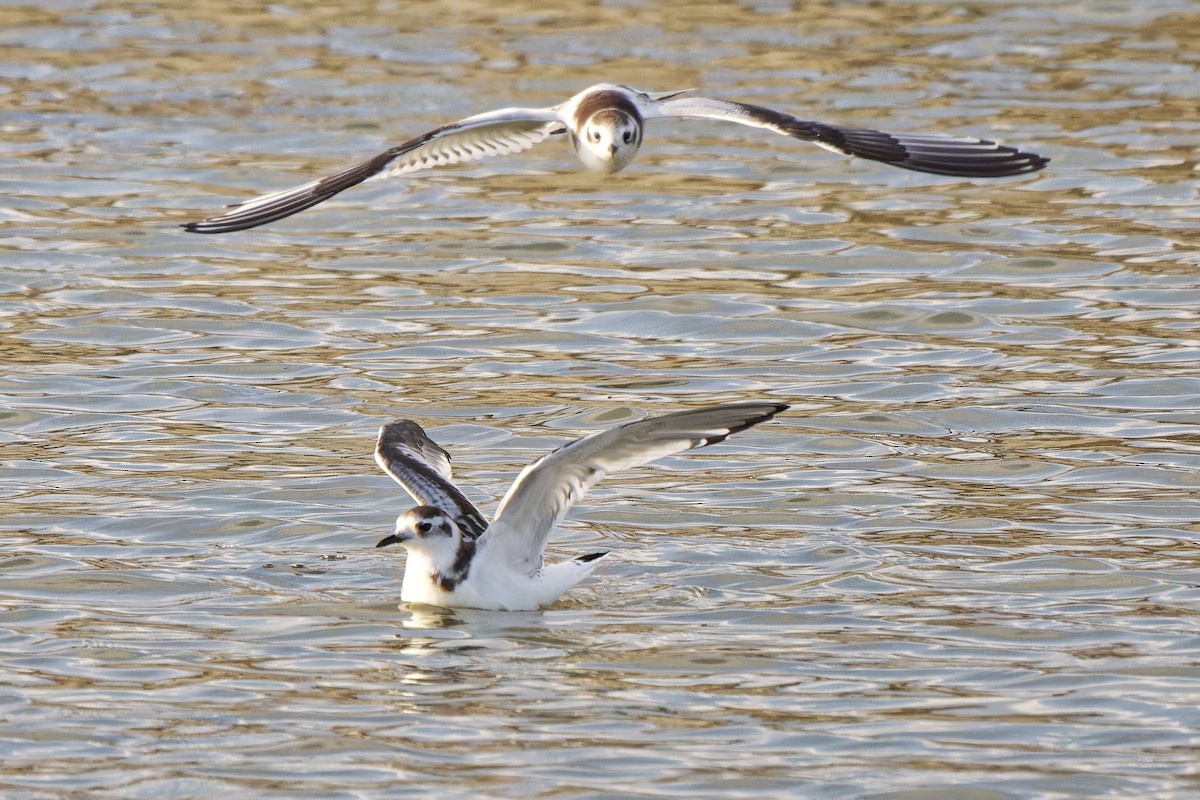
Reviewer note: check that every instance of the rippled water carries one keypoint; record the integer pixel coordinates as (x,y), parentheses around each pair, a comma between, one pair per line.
(964,565)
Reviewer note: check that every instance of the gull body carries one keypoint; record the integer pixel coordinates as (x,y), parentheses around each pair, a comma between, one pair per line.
(447,568)
(457,560)
(604,125)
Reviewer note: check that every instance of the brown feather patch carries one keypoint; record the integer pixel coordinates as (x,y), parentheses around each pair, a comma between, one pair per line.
(601,100)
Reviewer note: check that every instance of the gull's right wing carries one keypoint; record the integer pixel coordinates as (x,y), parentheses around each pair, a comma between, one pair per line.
(509,130)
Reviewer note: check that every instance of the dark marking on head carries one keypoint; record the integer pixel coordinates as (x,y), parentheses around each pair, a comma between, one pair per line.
(605,100)
(430,520)
(426,512)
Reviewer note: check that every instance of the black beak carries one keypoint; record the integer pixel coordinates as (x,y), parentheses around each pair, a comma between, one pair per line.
(393,539)
(612,149)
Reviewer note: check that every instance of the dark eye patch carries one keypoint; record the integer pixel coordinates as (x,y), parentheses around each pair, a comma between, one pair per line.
(424,527)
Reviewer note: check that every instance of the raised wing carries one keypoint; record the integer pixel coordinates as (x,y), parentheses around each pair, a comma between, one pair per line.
(963,156)
(418,464)
(545,490)
(509,130)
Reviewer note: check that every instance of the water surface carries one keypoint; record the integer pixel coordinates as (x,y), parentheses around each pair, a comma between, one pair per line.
(965,565)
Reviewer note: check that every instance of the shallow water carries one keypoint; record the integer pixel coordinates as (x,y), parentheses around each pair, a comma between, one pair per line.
(964,565)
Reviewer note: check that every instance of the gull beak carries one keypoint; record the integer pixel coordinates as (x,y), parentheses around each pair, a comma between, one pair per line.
(612,149)
(393,539)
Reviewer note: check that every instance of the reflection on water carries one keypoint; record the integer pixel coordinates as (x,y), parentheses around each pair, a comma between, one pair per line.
(965,564)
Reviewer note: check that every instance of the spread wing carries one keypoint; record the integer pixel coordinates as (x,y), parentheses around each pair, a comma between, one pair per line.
(545,490)
(963,156)
(418,464)
(509,130)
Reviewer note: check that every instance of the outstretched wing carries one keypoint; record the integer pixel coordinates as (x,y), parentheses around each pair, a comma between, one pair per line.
(509,130)
(963,156)
(545,490)
(418,464)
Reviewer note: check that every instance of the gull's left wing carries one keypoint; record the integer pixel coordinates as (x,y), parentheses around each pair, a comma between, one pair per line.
(962,156)
(417,463)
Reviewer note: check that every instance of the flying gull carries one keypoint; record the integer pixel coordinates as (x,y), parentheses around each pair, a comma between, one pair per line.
(604,126)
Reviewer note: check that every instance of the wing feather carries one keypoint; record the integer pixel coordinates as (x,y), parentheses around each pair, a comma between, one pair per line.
(509,130)
(962,156)
(545,490)
(417,463)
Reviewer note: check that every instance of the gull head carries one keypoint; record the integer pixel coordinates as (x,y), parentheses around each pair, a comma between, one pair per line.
(609,140)
(429,532)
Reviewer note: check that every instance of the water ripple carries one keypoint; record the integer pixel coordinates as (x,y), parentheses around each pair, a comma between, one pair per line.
(963,565)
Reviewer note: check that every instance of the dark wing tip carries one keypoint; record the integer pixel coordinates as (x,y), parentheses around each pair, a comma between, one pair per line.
(965,157)
(401,431)
(270,208)
(983,159)
(761,413)
(406,439)
(283,206)
(585,559)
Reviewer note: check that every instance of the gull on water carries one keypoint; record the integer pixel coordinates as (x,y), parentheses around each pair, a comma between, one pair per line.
(457,560)
(604,126)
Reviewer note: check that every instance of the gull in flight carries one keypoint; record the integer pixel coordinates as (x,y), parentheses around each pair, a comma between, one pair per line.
(604,126)
(457,560)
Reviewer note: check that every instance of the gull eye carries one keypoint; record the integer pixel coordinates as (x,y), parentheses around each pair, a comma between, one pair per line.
(424,527)
(594,136)
(628,137)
